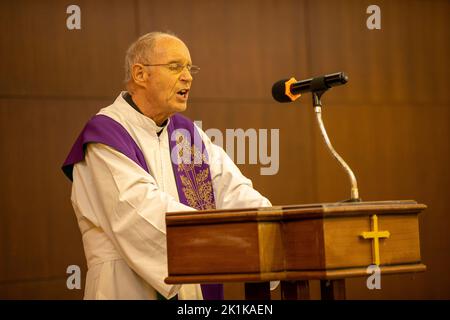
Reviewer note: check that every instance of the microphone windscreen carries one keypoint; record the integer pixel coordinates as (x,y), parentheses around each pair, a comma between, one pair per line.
(279,91)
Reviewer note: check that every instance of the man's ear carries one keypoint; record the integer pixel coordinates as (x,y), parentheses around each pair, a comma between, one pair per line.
(139,75)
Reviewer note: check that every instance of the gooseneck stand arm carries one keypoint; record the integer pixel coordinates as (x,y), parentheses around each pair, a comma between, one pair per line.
(354,194)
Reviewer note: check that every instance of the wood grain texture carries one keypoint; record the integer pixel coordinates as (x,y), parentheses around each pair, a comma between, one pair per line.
(344,245)
(277,246)
(390,122)
(40,289)
(44,58)
(348,273)
(242,47)
(271,249)
(387,66)
(39,238)
(304,245)
(213,247)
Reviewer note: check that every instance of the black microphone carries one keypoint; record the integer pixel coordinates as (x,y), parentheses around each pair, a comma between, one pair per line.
(289,90)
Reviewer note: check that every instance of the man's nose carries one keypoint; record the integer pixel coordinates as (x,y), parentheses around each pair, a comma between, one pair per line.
(186,75)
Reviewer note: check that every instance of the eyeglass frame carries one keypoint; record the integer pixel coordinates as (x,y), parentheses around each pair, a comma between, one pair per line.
(179,65)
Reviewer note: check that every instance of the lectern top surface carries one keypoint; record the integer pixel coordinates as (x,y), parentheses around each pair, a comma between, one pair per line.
(302,211)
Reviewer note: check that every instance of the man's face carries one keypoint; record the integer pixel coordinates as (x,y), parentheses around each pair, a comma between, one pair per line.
(166,88)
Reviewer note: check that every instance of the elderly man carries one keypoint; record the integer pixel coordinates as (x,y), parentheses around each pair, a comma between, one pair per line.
(138,159)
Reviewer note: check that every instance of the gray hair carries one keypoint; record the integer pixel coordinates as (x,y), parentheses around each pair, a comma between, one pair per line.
(140,50)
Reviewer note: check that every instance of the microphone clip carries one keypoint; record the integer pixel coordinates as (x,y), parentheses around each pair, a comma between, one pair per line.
(287,89)
(318,88)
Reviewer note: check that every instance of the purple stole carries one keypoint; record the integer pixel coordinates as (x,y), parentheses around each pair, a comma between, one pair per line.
(189,163)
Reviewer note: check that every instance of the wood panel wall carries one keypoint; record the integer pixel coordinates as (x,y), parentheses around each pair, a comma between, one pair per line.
(390,122)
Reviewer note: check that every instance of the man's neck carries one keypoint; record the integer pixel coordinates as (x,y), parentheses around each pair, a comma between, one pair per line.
(129,98)
(135,103)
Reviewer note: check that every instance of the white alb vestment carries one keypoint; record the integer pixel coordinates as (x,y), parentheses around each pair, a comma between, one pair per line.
(121,209)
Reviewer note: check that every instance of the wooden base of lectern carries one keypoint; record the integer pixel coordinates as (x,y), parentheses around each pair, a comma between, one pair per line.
(294,244)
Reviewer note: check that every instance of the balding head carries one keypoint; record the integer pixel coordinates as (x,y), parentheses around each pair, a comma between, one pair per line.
(141,51)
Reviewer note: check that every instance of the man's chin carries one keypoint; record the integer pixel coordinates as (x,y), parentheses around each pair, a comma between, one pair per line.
(180,107)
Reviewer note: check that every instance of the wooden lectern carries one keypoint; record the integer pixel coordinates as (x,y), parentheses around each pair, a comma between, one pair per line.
(294,244)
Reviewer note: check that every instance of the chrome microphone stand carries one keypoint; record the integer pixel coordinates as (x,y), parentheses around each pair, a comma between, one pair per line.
(317,104)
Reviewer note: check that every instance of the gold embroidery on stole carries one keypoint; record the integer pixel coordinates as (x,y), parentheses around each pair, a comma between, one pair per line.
(196,187)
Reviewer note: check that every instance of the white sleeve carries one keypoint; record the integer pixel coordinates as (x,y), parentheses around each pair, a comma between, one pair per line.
(232,189)
(130,209)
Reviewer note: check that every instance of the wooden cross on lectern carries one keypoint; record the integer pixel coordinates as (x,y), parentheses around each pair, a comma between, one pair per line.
(375,235)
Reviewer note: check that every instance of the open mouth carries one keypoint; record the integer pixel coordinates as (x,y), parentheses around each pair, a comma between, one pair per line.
(183,93)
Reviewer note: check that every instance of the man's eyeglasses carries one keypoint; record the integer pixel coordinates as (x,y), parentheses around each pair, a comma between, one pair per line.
(176,67)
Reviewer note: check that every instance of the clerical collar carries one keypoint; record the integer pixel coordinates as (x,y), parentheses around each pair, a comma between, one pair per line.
(130,101)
